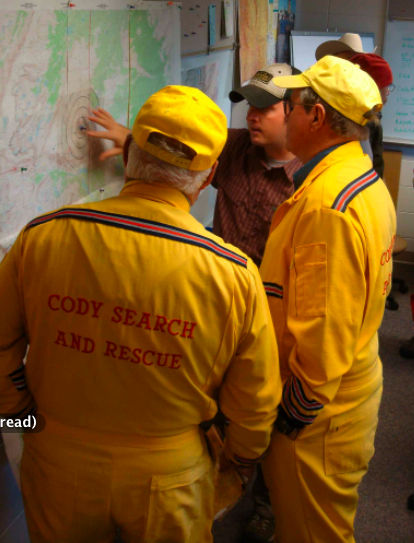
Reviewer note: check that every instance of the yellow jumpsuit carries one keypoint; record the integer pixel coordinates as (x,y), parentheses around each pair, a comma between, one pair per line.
(139,322)
(327,270)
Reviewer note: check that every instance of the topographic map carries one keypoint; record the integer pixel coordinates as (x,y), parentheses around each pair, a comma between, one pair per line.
(57,64)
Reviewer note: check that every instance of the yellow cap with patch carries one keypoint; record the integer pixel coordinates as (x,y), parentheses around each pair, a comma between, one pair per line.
(187,115)
(342,84)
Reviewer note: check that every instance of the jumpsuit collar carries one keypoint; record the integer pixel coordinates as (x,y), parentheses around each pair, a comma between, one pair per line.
(311,170)
(300,176)
(158,192)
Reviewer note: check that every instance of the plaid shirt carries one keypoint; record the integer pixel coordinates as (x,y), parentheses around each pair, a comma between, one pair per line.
(248,193)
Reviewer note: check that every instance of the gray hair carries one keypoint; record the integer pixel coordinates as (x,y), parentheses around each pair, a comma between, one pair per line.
(339,124)
(146,167)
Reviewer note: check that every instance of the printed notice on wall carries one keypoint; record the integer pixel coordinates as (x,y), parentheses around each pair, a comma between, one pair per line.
(398,112)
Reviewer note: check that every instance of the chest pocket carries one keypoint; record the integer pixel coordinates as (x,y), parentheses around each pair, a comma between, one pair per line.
(310,268)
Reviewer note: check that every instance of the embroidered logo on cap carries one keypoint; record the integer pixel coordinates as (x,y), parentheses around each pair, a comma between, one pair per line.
(264,77)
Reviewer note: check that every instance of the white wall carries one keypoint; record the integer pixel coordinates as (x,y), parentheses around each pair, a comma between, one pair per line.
(405,209)
(238,114)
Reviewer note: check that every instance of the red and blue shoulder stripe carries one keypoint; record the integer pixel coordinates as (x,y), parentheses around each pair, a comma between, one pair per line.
(356,186)
(142,226)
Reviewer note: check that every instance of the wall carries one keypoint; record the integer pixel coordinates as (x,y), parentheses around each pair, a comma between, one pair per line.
(342,16)
(405,209)
(364,16)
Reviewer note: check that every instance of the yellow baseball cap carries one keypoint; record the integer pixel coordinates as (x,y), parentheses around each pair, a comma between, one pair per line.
(342,84)
(187,115)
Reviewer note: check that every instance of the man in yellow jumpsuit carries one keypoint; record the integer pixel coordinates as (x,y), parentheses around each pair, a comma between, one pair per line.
(138,323)
(327,271)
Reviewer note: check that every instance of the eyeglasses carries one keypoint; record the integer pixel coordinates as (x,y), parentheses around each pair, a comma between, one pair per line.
(288,106)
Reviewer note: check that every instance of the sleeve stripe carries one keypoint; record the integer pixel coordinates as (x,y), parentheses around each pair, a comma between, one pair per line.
(293,412)
(308,405)
(273,289)
(296,404)
(15,372)
(18,378)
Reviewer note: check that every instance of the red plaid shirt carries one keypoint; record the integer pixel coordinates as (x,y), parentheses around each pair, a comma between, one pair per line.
(248,193)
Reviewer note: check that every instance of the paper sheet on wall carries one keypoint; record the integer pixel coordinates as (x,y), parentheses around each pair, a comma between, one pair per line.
(253,23)
(228,18)
(398,113)
(211,25)
(272,31)
(55,65)
(213,75)
(198,17)
(287,14)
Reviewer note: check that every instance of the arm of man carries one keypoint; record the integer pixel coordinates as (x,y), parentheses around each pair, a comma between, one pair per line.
(114,131)
(328,291)
(15,399)
(252,386)
(236,145)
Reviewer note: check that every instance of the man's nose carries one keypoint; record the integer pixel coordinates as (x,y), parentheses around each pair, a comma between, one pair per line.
(252,113)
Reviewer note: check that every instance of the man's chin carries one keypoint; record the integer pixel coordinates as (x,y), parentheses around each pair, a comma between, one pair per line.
(256,138)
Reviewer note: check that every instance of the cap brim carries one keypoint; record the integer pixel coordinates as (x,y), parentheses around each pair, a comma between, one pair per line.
(255,96)
(332,47)
(291,81)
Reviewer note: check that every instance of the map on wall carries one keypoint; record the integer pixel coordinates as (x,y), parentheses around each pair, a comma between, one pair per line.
(57,64)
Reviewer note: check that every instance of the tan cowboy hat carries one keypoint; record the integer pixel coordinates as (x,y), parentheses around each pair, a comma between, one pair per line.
(347,42)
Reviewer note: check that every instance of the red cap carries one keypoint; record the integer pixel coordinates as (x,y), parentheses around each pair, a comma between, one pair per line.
(375,66)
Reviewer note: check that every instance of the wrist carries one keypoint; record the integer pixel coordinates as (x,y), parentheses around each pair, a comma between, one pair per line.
(287,425)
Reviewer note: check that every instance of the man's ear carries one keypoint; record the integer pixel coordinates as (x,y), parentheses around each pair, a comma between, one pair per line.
(210,176)
(319,116)
(205,184)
